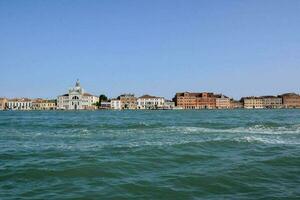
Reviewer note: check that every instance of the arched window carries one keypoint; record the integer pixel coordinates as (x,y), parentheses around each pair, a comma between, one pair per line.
(75,97)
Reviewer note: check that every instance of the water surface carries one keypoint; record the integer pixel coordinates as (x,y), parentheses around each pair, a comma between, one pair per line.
(205,154)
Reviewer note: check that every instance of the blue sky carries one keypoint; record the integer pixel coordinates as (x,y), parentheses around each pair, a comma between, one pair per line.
(238,48)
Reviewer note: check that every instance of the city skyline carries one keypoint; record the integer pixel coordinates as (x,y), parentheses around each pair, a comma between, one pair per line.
(168,97)
(77,98)
(246,48)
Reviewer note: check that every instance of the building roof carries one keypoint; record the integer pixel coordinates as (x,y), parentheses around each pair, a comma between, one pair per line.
(87,94)
(187,94)
(221,96)
(253,97)
(20,99)
(289,94)
(127,95)
(195,94)
(146,96)
(269,96)
(39,100)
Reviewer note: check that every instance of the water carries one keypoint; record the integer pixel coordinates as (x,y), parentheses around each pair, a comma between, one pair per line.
(207,154)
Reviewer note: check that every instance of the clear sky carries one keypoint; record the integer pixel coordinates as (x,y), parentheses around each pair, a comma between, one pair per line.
(237,47)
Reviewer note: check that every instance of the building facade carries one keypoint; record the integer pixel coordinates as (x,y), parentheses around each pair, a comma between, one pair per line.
(115,104)
(19,104)
(77,99)
(169,105)
(253,102)
(105,105)
(128,101)
(222,102)
(290,100)
(236,104)
(150,102)
(43,104)
(3,102)
(189,100)
(272,102)
(206,101)
(186,100)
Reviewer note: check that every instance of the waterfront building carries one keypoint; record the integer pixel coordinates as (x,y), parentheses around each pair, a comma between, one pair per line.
(236,104)
(43,104)
(272,102)
(206,101)
(115,104)
(3,102)
(128,101)
(105,105)
(77,99)
(222,102)
(169,105)
(187,100)
(150,102)
(253,102)
(19,104)
(290,100)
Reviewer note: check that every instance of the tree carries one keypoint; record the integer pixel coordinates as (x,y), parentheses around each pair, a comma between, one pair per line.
(102,97)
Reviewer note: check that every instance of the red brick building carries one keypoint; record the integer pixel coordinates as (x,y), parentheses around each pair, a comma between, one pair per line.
(187,100)
(290,100)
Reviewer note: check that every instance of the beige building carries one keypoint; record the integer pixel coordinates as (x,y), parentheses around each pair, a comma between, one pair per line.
(253,102)
(169,105)
(115,104)
(222,102)
(3,102)
(19,104)
(272,102)
(128,101)
(150,102)
(43,104)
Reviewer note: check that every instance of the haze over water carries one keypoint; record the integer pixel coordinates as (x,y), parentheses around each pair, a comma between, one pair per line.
(207,154)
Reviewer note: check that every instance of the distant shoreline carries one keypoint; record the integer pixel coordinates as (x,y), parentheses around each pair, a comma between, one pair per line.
(139,110)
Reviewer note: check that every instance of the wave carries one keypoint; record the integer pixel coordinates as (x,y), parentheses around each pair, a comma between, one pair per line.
(267,140)
(259,129)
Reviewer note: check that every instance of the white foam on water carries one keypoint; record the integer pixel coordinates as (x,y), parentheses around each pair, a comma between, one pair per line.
(267,140)
(260,129)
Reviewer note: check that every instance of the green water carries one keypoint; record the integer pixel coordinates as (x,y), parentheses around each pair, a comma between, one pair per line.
(206,154)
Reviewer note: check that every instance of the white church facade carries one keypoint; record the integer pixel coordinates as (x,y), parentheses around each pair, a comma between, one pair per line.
(77,99)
